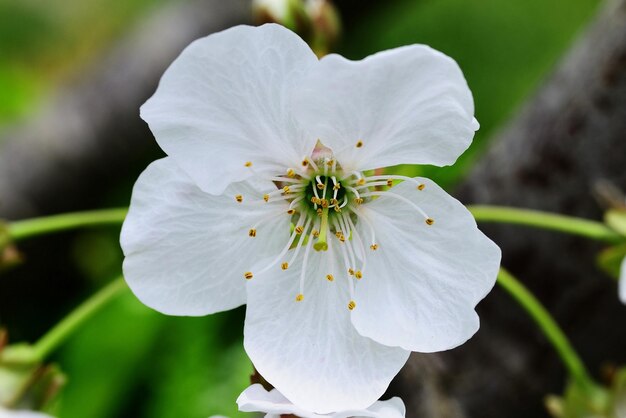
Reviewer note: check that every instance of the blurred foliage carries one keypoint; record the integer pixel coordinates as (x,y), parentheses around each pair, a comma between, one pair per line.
(505,49)
(43,43)
(133,362)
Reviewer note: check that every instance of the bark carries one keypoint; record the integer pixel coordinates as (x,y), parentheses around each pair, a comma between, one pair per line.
(565,140)
(89,134)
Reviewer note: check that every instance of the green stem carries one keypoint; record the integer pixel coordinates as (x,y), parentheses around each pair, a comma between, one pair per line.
(53,338)
(38,226)
(572,225)
(549,327)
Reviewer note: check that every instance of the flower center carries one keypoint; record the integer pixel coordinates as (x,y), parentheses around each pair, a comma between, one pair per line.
(324,209)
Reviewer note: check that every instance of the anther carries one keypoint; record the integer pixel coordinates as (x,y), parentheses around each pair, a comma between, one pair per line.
(358,200)
(284,266)
(266,197)
(248,164)
(337,186)
(291,173)
(330,277)
(239,198)
(319,211)
(351,305)
(305,162)
(358,274)
(421,186)
(359,144)
(286,190)
(330,163)
(248,275)
(351,272)
(291,211)
(374,247)
(299,297)
(333,201)
(338,234)
(299,229)
(337,208)
(361,181)
(315,233)
(389,183)
(252,232)
(320,186)
(430,221)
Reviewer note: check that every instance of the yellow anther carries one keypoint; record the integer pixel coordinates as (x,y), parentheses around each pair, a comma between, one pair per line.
(299,229)
(248,164)
(291,211)
(319,211)
(248,275)
(266,197)
(361,182)
(284,266)
(351,305)
(358,200)
(358,274)
(330,163)
(337,208)
(421,186)
(252,232)
(239,198)
(320,186)
(337,186)
(305,162)
(338,234)
(324,203)
(430,221)
(359,144)
(286,190)
(330,277)
(299,297)
(333,201)
(389,183)
(315,233)
(351,272)
(374,247)
(291,173)
(316,200)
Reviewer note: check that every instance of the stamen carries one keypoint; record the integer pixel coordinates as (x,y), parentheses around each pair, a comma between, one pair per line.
(300,242)
(248,275)
(330,277)
(291,173)
(351,305)
(421,186)
(363,218)
(239,198)
(284,266)
(397,177)
(252,232)
(299,229)
(284,251)
(359,144)
(374,247)
(430,221)
(248,164)
(291,211)
(307,250)
(299,297)
(397,196)
(266,197)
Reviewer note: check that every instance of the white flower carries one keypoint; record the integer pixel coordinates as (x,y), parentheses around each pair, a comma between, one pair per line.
(14,413)
(257,399)
(622,282)
(345,276)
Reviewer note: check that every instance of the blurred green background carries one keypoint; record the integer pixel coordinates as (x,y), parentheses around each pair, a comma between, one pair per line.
(132,362)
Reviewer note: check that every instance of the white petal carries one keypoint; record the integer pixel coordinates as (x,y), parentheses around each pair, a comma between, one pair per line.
(6,413)
(257,399)
(186,250)
(421,286)
(622,282)
(224,102)
(408,105)
(309,350)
